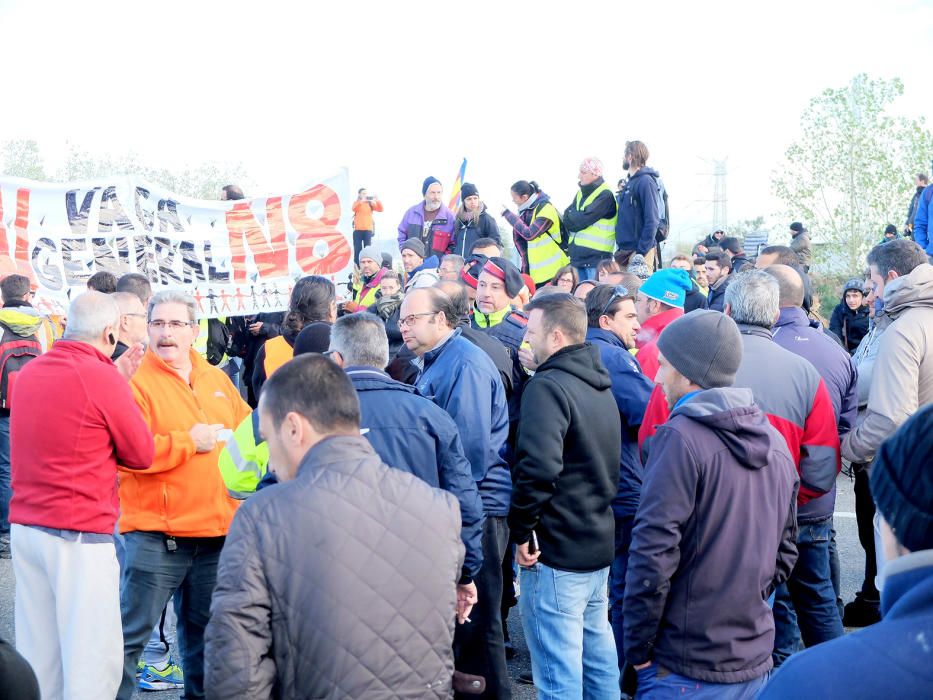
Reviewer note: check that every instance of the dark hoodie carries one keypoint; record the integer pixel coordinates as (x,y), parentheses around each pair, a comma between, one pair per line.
(714,535)
(466,233)
(567,467)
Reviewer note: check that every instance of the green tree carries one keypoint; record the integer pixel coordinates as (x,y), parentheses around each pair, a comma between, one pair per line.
(22,159)
(851,170)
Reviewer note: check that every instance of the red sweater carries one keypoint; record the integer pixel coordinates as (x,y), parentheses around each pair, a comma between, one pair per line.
(75,420)
(647,340)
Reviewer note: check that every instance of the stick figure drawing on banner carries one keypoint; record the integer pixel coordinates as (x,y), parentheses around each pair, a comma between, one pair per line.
(212,298)
(199,298)
(239,296)
(224,298)
(265,296)
(276,295)
(253,299)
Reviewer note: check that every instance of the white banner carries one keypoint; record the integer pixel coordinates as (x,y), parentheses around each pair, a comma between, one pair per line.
(234,257)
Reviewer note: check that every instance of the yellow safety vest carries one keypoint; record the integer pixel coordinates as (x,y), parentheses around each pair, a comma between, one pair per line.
(200,343)
(601,235)
(545,257)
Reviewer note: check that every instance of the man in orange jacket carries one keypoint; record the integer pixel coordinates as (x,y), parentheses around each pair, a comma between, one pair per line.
(175,514)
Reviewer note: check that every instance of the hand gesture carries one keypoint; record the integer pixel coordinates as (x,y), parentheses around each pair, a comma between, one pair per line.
(527,357)
(205,436)
(130,360)
(524,558)
(254,328)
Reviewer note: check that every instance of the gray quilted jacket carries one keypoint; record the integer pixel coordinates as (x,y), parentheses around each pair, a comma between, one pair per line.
(338,584)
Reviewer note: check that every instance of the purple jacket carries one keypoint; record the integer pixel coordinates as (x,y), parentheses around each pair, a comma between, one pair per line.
(437,238)
(715,533)
(793,332)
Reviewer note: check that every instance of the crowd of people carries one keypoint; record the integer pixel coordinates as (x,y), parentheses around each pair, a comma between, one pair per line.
(347,499)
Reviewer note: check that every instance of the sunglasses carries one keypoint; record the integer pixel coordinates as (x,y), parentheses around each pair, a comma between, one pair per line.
(617,293)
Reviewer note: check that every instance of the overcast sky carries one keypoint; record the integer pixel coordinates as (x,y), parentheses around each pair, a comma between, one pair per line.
(399,91)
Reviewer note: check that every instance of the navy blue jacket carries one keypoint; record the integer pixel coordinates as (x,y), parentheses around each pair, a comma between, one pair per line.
(890,659)
(637,225)
(411,434)
(793,332)
(466,233)
(631,390)
(461,379)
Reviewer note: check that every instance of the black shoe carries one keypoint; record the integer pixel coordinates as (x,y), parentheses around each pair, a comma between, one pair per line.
(525,678)
(861,612)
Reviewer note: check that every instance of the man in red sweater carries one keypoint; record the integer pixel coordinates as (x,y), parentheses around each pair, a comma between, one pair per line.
(64,473)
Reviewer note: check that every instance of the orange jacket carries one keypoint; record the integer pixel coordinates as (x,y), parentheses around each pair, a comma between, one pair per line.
(363,214)
(182,493)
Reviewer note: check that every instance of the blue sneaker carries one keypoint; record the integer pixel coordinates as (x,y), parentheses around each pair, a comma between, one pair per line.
(167,678)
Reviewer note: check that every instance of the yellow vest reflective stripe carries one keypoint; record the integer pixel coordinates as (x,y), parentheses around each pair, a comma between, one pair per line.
(601,235)
(278,352)
(243,461)
(545,257)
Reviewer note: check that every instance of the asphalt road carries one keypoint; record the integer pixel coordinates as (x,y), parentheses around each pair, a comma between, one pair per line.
(850,555)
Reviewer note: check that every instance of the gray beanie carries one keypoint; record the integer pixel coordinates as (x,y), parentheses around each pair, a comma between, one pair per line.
(371,253)
(705,347)
(414,245)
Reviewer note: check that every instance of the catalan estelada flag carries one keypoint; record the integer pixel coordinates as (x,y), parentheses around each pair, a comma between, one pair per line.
(455,190)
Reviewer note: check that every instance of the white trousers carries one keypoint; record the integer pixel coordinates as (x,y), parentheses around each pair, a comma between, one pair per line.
(67,614)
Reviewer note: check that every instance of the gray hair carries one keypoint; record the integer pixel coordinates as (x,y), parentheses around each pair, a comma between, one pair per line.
(89,315)
(753,298)
(171,297)
(361,340)
(127,302)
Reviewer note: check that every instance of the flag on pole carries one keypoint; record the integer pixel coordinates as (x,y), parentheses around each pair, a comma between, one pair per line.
(455,190)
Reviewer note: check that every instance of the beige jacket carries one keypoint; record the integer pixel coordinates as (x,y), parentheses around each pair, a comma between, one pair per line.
(902,379)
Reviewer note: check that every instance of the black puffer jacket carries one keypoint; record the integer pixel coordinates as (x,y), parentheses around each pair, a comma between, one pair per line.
(466,233)
(338,584)
(848,325)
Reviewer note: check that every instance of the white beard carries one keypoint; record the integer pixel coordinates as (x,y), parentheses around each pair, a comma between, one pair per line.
(432,207)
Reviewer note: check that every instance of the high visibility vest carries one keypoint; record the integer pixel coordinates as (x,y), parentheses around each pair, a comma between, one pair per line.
(364,296)
(244,459)
(545,257)
(200,343)
(278,352)
(601,235)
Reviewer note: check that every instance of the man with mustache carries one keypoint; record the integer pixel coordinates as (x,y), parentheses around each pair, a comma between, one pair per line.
(428,221)
(176,513)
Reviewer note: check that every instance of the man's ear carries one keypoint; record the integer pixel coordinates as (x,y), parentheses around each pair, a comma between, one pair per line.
(892,275)
(727,310)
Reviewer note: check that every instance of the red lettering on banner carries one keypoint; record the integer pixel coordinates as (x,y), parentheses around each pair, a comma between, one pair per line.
(20,261)
(271,257)
(21,223)
(320,249)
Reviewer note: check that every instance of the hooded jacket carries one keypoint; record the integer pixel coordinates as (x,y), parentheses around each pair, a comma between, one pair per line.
(637,225)
(337,584)
(630,389)
(848,325)
(410,433)
(567,462)
(461,379)
(714,535)
(466,233)
(889,659)
(902,375)
(425,275)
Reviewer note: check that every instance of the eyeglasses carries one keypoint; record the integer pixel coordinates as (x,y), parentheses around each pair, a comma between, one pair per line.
(617,293)
(410,319)
(174,325)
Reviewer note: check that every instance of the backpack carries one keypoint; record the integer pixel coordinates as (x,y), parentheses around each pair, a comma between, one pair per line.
(15,352)
(664,213)
(218,340)
(564,242)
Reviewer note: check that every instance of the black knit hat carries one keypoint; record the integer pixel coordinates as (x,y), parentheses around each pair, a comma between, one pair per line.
(506,271)
(902,481)
(797,227)
(890,228)
(468,190)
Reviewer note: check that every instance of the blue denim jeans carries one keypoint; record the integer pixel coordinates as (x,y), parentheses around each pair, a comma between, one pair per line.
(656,683)
(586,273)
(617,582)
(566,623)
(808,593)
(5,491)
(151,574)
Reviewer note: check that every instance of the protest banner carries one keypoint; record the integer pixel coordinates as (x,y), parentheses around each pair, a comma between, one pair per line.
(234,257)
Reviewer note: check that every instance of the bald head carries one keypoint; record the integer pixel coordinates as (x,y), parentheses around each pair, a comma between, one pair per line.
(790,284)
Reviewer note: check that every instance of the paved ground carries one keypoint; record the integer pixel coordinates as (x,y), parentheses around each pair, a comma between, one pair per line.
(850,555)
